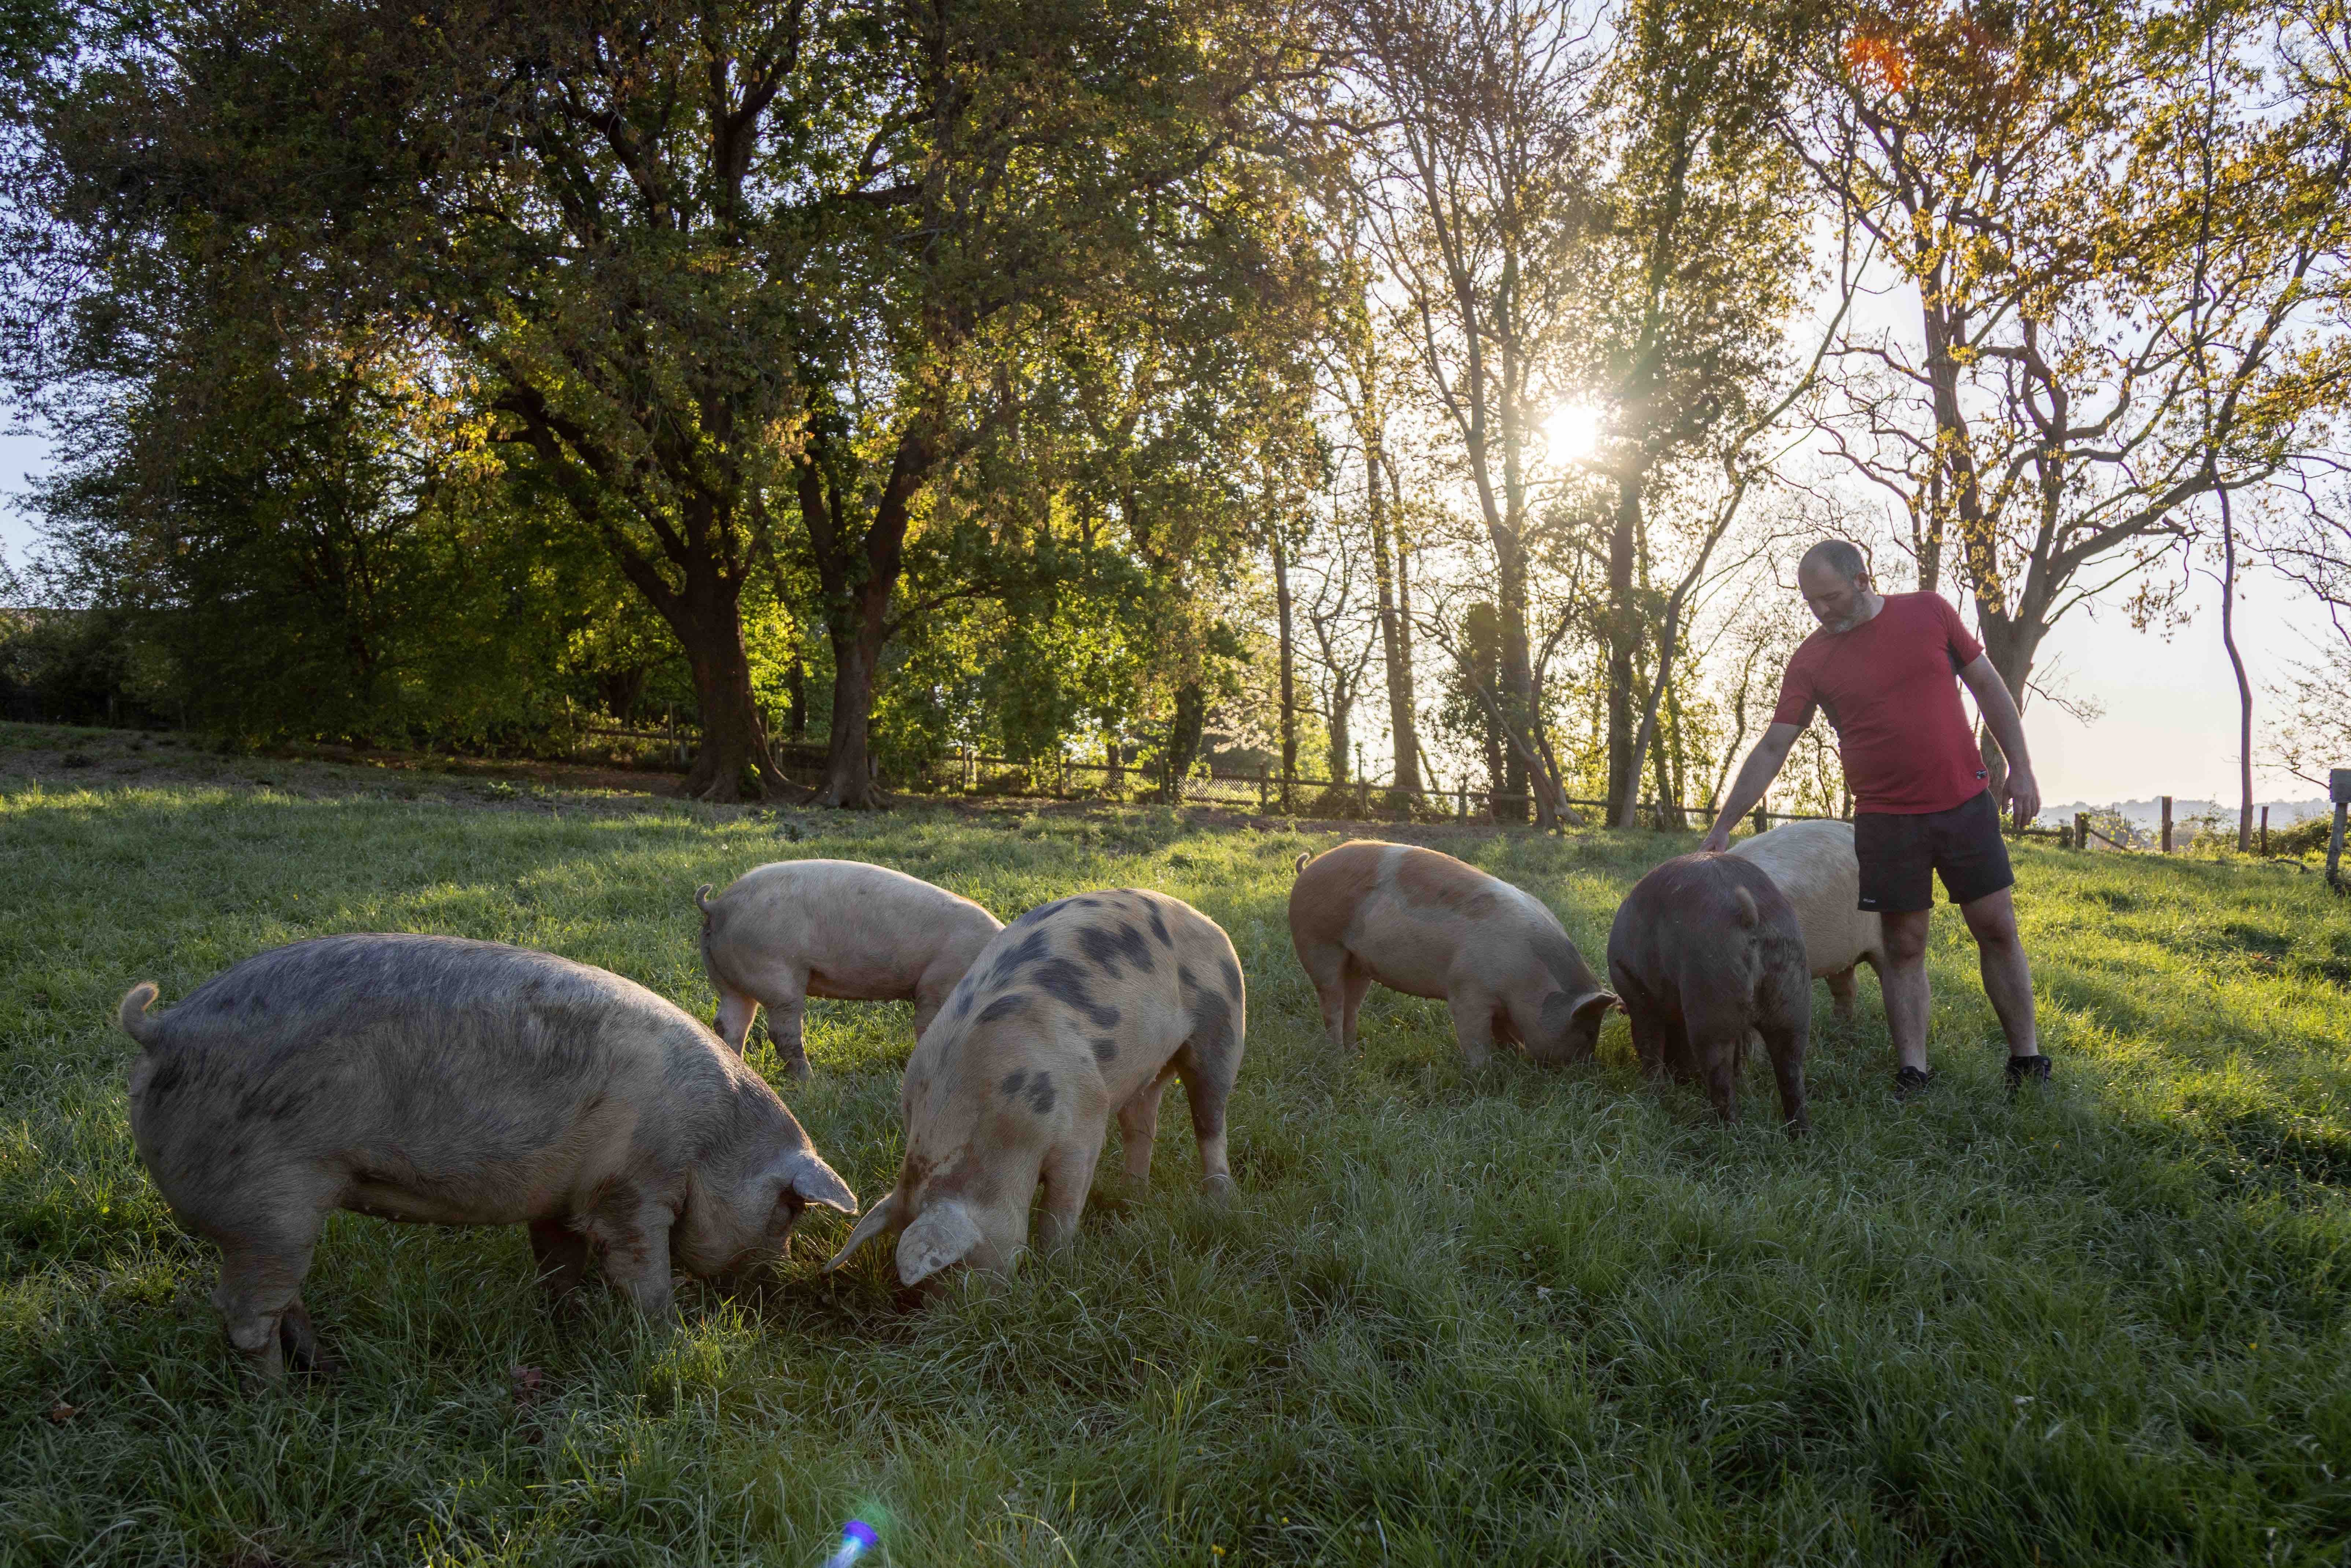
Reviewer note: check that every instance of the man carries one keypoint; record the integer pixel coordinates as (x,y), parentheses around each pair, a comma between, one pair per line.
(1881,667)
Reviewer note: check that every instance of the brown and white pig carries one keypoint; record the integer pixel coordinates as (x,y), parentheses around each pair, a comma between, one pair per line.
(781,934)
(1814,867)
(1705,952)
(1083,1007)
(1429,926)
(452,1083)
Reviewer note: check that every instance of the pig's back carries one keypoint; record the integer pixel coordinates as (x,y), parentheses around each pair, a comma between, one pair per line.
(1107,985)
(1814,867)
(845,918)
(343,1039)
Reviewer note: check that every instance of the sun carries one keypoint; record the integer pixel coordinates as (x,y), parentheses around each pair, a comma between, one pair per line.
(1570,432)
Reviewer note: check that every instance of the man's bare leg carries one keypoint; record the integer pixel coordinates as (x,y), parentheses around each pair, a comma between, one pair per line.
(2007,977)
(1903,982)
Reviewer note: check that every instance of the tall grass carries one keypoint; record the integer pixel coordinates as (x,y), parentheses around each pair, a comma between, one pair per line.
(1532,1318)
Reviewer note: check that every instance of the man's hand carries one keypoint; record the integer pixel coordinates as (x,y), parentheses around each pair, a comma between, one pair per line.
(1717,839)
(2024,792)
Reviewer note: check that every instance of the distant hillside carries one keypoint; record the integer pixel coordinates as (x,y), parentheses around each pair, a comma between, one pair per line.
(2149,813)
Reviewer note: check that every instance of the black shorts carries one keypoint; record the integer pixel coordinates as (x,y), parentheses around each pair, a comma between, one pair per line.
(1899,854)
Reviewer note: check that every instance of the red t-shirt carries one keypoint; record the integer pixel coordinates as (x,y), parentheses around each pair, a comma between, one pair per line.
(1887,688)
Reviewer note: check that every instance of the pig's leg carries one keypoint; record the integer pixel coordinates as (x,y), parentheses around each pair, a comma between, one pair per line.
(1207,1086)
(1841,990)
(1356,980)
(1721,1070)
(733,1023)
(1473,1025)
(1646,1018)
(260,1278)
(298,1338)
(785,1014)
(636,1255)
(1785,1040)
(1138,1129)
(1329,967)
(562,1254)
(1069,1173)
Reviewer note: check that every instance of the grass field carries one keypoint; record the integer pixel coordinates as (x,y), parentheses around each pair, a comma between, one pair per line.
(1540,1317)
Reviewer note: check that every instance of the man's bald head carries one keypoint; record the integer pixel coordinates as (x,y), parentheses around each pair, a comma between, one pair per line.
(1839,556)
(1834,578)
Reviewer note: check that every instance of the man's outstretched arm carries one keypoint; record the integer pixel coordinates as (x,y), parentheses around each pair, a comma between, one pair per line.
(1755,776)
(2001,718)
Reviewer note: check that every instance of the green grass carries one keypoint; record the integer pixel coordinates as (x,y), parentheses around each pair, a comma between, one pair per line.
(1544,1317)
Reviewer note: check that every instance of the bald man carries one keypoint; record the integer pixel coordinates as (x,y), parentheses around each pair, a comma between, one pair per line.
(1882,668)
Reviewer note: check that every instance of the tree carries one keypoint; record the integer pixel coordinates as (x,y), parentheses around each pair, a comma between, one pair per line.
(1478,161)
(1358,358)
(1701,256)
(2112,270)
(729,275)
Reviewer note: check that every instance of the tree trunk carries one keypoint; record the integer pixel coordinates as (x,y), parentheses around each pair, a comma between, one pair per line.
(1396,634)
(2244,687)
(1289,659)
(1518,667)
(1184,730)
(1669,810)
(1339,738)
(855,631)
(707,618)
(796,694)
(703,610)
(1624,638)
(858,574)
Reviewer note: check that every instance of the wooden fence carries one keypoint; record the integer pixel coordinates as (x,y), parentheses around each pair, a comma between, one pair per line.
(965,772)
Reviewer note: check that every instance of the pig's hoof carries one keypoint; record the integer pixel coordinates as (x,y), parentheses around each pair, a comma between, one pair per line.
(1218,1188)
(798,1067)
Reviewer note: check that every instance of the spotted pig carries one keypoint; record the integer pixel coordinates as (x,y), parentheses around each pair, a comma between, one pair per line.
(453,1083)
(1429,926)
(1082,1008)
(781,934)
(1706,951)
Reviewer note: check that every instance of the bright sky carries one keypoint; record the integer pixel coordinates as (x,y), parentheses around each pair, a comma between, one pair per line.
(2169,725)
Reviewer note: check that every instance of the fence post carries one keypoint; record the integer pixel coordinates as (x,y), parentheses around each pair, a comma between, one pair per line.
(2265,830)
(2338,786)
(1363,795)
(1762,825)
(2081,829)
(1461,808)
(2167,824)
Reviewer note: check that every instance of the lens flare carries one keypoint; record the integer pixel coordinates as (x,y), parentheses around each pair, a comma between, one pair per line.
(857,1538)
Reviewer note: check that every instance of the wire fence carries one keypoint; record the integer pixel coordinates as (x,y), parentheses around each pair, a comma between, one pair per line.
(970,773)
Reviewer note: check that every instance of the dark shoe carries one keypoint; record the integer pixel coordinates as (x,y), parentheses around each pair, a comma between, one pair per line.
(2025,1070)
(1910,1081)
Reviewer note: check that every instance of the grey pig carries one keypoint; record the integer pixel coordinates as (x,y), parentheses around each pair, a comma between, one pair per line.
(783,933)
(1706,952)
(1429,926)
(444,1081)
(1082,1007)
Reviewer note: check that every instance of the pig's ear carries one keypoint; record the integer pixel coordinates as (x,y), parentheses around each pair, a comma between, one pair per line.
(943,1236)
(815,1182)
(877,1219)
(1593,1010)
